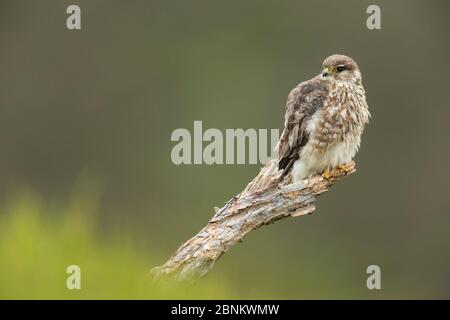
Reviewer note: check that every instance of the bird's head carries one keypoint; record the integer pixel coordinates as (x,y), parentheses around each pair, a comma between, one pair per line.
(341,68)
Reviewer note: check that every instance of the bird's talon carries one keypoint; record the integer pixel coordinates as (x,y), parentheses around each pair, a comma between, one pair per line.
(326,174)
(344,167)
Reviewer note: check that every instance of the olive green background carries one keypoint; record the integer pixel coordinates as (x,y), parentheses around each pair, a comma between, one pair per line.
(86,118)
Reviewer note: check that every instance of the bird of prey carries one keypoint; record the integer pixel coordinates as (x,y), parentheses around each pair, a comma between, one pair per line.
(324,120)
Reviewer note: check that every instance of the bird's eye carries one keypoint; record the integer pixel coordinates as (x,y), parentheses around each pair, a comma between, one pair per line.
(340,68)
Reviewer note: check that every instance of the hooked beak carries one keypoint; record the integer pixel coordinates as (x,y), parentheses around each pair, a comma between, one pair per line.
(326,72)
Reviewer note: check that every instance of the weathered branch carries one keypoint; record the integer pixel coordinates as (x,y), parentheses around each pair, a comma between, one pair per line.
(264,200)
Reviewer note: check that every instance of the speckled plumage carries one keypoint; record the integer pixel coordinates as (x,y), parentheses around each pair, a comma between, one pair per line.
(324,120)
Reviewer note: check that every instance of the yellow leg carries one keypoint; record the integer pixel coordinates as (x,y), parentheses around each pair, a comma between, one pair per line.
(326,174)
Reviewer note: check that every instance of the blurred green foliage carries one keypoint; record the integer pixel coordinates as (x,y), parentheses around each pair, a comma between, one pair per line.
(36,250)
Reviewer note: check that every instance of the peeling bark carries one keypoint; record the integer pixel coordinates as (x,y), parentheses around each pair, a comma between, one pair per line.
(265,200)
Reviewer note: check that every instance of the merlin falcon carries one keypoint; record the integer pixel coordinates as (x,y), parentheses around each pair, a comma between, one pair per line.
(324,120)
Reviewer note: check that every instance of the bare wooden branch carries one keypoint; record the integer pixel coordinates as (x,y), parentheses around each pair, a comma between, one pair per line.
(266,199)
